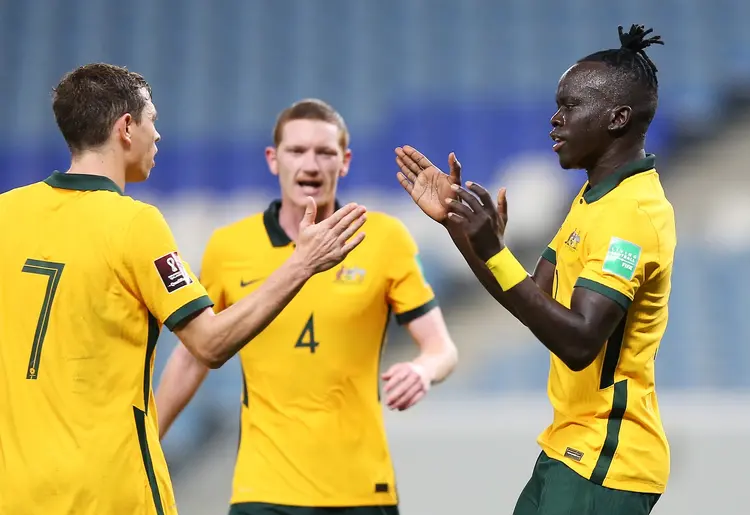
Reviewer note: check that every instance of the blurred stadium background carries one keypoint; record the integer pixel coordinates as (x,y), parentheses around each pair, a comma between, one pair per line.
(473,76)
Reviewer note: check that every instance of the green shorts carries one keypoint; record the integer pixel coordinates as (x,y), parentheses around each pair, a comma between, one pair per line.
(555,489)
(260,508)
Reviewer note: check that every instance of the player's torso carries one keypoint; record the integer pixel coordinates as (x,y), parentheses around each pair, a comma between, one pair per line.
(622,376)
(312,426)
(73,357)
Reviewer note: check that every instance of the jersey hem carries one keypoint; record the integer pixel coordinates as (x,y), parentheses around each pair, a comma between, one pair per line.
(413,314)
(323,503)
(187,310)
(623,300)
(641,487)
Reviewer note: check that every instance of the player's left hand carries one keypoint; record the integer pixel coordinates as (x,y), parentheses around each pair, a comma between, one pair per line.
(482,220)
(406,384)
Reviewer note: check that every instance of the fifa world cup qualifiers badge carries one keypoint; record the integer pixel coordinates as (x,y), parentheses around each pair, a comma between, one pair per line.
(172,272)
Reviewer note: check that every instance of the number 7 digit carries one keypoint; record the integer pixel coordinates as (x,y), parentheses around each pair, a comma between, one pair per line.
(53,271)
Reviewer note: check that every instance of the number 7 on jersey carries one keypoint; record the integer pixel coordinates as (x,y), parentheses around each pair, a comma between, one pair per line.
(53,271)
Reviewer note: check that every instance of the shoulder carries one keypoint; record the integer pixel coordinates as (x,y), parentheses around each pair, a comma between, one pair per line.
(236,234)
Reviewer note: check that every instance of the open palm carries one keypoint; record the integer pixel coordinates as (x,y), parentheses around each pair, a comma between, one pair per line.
(428,186)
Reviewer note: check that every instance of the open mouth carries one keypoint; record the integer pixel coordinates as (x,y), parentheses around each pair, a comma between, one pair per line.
(310,187)
(558,143)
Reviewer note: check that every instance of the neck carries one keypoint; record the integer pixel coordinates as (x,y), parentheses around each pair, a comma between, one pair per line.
(102,162)
(615,157)
(290,216)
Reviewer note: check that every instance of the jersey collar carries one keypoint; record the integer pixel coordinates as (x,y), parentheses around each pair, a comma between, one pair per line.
(622,173)
(81,182)
(276,233)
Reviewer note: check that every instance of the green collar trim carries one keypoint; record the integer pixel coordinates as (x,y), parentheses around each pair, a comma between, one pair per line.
(609,183)
(82,182)
(276,233)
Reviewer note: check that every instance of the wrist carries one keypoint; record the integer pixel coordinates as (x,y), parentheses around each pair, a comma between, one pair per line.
(488,253)
(299,268)
(506,269)
(422,372)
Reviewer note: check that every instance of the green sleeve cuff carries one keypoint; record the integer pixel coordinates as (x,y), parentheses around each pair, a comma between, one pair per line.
(413,314)
(186,311)
(608,292)
(550,255)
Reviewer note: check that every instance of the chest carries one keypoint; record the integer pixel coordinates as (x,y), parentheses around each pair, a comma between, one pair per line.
(354,288)
(572,248)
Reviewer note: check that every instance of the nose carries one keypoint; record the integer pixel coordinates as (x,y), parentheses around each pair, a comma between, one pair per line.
(310,162)
(557,119)
(158,137)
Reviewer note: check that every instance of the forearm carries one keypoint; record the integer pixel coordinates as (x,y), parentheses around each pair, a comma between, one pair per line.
(479,268)
(438,365)
(180,380)
(221,336)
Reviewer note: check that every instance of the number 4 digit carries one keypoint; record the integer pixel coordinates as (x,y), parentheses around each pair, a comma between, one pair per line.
(307,338)
(53,271)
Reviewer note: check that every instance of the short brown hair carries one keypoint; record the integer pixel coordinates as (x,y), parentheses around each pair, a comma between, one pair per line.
(89,99)
(311,109)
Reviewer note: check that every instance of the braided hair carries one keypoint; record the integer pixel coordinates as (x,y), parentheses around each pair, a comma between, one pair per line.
(631,56)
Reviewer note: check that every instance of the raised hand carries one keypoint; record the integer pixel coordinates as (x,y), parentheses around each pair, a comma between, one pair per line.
(325,244)
(481,219)
(426,183)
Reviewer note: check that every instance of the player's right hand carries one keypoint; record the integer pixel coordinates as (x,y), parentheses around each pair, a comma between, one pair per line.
(323,245)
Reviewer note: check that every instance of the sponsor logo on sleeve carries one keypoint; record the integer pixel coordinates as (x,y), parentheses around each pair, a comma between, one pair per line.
(172,272)
(622,258)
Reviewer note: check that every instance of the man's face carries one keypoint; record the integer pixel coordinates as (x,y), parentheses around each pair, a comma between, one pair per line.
(143,138)
(584,114)
(309,161)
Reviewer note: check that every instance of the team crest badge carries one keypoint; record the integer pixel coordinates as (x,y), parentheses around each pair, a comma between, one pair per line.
(573,240)
(350,275)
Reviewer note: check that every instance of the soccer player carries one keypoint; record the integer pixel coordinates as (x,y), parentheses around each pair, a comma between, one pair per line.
(89,276)
(598,297)
(312,435)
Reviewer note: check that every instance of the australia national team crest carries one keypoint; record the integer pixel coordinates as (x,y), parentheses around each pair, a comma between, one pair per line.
(350,275)
(172,272)
(573,240)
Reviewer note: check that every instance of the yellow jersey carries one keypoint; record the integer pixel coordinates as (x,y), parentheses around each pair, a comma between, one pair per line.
(312,432)
(88,278)
(618,240)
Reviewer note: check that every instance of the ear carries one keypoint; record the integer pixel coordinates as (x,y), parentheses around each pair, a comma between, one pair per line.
(124,126)
(347,161)
(620,117)
(271,160)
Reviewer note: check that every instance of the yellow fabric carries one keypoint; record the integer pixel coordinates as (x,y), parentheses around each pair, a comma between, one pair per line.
(81,306)
(607,425)
(507,270)
(312,431)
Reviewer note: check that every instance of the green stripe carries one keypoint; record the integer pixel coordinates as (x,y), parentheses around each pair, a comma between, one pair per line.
(188,310)
(382,351)
(550,255)
(140,425)
(245,398)
(413,314)
(153,336)
(608,292)
(619,404)
(612,355)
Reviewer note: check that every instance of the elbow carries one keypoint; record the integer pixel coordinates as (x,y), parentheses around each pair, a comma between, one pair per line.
(208,357)
(579,356)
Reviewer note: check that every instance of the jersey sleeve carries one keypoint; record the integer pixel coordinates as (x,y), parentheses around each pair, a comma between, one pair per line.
(210,273)
(409,294)
(164,281)
(550,252)
(620,254)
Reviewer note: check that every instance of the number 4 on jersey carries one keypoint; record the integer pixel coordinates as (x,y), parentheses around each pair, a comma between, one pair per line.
(307,338)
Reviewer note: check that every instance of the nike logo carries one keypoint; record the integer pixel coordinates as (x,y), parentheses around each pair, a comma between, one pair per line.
(248,283)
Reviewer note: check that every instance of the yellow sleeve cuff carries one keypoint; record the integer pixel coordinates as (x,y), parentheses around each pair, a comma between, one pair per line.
(507,270)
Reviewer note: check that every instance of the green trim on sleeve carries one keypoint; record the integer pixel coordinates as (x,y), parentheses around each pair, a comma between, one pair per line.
(550,255)
(608,292)
(413,314)
(189,309)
